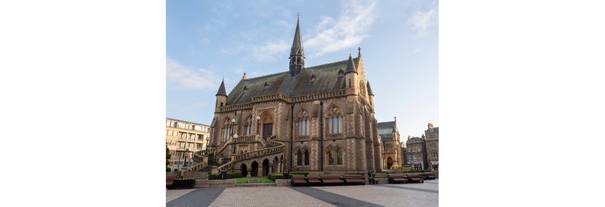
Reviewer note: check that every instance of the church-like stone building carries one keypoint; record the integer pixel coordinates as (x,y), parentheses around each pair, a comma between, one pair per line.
(317,119)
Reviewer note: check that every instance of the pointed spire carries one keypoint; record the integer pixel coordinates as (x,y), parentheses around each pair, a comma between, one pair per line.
(370,90)
(221,89)
(297,45)
(350,66)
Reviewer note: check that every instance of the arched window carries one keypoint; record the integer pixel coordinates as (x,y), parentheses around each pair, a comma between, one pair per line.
(334,121)
(299,158)
(339,124)
(303,124)
(329,124)
(307,124)
(306,157)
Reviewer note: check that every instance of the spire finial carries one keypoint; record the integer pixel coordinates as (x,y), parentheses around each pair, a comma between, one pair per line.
(297,16)
(359,50)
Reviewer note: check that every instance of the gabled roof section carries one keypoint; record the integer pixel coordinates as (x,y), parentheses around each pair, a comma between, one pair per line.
(386,129)
(326,79)
(351,65)
(221,89)
(369,89)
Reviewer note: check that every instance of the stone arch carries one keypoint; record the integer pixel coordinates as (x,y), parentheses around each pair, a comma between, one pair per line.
(225,129)
(247,126)
(244,169)
(265,167)
(306,153)
(335,120)
(275,164)
(266,124)
(254,169)
(390,162)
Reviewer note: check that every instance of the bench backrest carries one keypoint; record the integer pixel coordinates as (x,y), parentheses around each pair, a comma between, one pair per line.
(298,177)
(414,175)
(313,177)
(381,175)
(330,177)
(170,179)
(352,177)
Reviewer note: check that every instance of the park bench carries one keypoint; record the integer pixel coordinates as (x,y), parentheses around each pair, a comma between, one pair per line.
(169,180)
(298,179)
(428,176)
(350,179)
(416,177)
(395,178)
(331,179)
(313,179)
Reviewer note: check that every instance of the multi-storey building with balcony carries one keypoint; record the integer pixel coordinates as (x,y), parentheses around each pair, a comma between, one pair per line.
(432,146)
(182,139)
(416,152)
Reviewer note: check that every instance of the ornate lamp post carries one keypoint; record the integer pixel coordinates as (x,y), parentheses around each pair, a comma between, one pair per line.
(234,136)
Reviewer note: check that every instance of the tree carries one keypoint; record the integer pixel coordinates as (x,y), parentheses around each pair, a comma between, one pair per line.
(167,157)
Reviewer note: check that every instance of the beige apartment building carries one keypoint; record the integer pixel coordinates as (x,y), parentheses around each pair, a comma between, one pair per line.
(182,139)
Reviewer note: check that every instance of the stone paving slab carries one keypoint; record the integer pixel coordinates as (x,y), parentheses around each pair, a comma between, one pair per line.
(265,196)
(197,197)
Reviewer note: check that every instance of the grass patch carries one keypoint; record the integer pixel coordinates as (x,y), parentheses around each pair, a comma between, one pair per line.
(260,179)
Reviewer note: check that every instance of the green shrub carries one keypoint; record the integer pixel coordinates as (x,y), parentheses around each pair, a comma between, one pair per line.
(178,175)
(168,169)
(234,175)
(273,176)
(299,173)
(212,176)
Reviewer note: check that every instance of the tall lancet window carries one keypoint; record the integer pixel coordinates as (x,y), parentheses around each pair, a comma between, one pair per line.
(329,124)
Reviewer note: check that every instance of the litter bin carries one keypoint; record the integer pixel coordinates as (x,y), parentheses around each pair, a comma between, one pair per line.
(286,175)
(223,175)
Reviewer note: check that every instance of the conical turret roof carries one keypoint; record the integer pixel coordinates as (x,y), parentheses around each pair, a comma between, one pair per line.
(350,66)
(221,90)
(369,89)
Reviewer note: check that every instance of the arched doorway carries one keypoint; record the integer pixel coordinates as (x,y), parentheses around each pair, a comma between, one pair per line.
(254,170)
(389,162)
(244,170)
(265,167)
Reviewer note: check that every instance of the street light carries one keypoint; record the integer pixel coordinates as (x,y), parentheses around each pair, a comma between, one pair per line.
(232,125)
(257,120)
(234,136)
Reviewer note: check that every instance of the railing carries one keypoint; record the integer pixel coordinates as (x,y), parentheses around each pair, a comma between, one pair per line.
(280,147)
(197,167)
(246,138)
(279,96)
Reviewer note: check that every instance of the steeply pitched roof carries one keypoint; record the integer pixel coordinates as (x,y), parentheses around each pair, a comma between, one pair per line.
(386,129)
(369,89)
(221,89)
(326,79)
(297,46)
(350,66)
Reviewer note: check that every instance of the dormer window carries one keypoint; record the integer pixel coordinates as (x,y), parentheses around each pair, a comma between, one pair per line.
(245,88)
(266,85)
(340,73)
(313,77)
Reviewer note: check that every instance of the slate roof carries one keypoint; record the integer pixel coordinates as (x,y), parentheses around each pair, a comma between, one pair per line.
(386,125)
(326,79)
(221,89)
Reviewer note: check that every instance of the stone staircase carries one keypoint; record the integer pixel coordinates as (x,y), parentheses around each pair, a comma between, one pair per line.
(202,158)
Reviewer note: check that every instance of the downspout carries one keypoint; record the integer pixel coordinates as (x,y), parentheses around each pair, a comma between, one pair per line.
(291,133)
(321,132)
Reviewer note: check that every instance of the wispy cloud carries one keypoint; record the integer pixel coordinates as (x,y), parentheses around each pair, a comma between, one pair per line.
(417,50)
(348,30)
(187,78)
(422,21)
(265,53)
(194,105)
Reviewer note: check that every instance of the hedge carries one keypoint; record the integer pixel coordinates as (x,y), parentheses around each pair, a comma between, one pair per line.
(229,175)
(273,176)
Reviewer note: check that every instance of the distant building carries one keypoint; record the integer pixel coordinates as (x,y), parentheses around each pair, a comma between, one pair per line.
(416,152)
(391,145)
(432,146)
(182,136)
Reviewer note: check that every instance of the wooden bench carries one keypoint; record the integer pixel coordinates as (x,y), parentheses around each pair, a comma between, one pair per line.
(428,176)
(352,179)
(299,179)
(331,179)
(395,178)
(169,180)
(416,177)
(313,179)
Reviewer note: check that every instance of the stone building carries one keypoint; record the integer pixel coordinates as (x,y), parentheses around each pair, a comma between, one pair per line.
(391,145)
(416,152)
(182,137)
(317,119)
(432,145)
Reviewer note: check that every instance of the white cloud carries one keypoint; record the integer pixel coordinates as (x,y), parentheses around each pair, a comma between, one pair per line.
(417,50)
(187,78)
(265,53)
(194,105)
(346,32)
(422,21)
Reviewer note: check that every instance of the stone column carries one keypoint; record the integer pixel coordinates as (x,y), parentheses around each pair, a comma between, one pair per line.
(249,173)
(260,171)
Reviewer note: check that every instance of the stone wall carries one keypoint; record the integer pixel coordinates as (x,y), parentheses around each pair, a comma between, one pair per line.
(283,182)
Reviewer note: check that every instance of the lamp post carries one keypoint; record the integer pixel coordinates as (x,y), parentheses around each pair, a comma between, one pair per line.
(234,136)
(257,123)
(232,125)
(186,156)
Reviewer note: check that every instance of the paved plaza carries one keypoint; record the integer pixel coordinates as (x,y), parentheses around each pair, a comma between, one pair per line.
(413,194)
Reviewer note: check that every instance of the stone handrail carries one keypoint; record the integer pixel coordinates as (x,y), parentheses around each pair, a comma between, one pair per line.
(246,138)
(219,150)
(255,154)
(197,167)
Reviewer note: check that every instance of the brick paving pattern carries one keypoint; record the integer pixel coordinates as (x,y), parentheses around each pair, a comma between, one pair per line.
(413,194)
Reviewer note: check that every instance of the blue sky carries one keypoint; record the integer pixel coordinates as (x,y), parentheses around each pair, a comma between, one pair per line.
(208,40)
